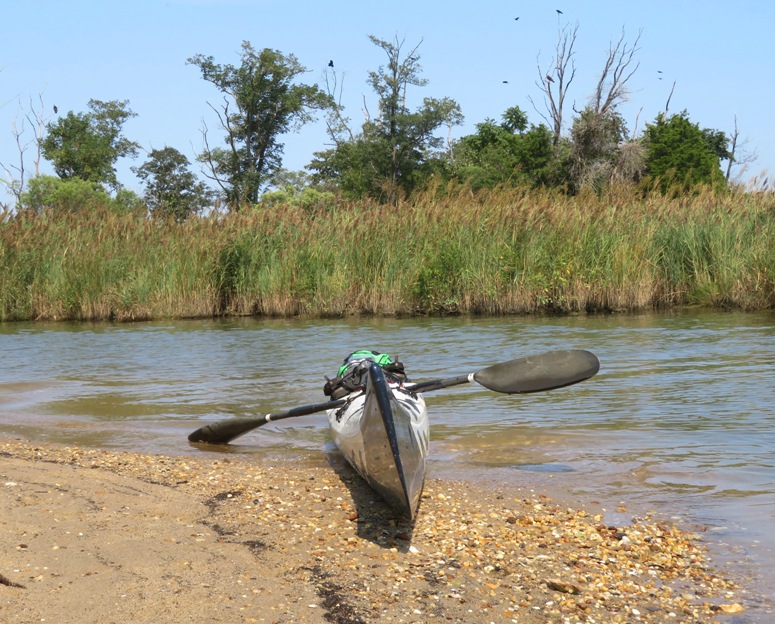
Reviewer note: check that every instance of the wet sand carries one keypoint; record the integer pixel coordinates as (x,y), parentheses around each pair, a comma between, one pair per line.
(100,536)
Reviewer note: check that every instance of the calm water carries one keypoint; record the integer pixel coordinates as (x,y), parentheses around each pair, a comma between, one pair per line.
(680,419)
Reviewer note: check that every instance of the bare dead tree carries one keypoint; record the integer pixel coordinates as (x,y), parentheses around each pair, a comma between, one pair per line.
(612,89)
(630,162)
(36,121)
(732,150)
(634,131)
(337,125)
(739,155)
(16,172)
(669,97)
(365,109)
(211,169)
(601,152)
(555,82)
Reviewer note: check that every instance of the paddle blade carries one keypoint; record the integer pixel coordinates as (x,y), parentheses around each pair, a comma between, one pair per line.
(224,431)
(537,373)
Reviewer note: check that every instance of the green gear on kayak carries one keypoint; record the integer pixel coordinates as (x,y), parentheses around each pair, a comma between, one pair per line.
(383,359)
(350,376)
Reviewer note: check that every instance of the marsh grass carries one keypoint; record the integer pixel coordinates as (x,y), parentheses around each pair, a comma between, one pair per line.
(508,251)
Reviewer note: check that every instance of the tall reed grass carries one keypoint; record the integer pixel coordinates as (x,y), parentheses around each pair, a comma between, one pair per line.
(508,251)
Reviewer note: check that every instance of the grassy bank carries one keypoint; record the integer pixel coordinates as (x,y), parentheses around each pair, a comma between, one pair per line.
(509,252)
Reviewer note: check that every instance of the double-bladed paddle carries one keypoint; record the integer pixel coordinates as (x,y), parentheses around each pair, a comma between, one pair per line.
(535,373)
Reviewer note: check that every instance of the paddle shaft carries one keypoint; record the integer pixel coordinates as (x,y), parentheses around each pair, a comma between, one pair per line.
(438,384)
(224,431)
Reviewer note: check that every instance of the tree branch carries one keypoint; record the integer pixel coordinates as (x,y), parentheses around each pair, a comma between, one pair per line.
(559,78)
(669,97)
(612,87)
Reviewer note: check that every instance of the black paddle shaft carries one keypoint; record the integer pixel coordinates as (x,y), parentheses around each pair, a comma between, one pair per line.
(224,431)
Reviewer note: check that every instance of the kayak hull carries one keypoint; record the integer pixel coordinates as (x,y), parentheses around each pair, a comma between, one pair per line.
(383,433)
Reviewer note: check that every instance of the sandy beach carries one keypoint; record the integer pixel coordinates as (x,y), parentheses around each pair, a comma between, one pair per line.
(100,536)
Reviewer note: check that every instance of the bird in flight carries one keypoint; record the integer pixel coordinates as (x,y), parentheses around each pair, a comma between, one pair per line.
(505,82)
(516,18)
(330,63)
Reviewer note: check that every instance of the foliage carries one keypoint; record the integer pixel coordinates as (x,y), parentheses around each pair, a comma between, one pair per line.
(718,142)
(171,189)
(73,195)
(680,155)
(126,201)
(597,138)
(505,153)
(87,145)
(396,151)
(49,193)
(299,190)
(310,199)
(261,104)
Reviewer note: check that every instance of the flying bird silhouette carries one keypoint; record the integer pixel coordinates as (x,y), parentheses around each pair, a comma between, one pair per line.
(330,63)
(516,18)
(505,82)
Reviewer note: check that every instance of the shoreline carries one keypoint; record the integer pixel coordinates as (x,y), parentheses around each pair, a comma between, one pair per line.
(103,534)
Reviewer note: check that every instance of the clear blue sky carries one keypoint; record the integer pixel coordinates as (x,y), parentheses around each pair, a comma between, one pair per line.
(719,54)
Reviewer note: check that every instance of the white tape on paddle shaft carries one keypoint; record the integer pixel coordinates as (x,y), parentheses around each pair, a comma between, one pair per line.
(268,418)
(471,377)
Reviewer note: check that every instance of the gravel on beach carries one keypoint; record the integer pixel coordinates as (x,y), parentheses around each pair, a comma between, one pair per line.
(103,536)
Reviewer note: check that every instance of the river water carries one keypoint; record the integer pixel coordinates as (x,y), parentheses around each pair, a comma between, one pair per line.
(679,420)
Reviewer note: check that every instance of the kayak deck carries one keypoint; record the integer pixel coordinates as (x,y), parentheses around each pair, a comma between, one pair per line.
(383,434)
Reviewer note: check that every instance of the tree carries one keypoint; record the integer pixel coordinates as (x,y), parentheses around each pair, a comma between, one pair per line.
(612,87)
(681,155)
(17,173)
(599,133)
(739,155)
(296,188)
(337,124)
(171,190)
(596,138)
(261,103)
(87,145)
(555,82)
(508,152)
(45,192)
(397,149)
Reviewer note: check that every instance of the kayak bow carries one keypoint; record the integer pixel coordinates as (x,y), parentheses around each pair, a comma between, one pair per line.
(383,433)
